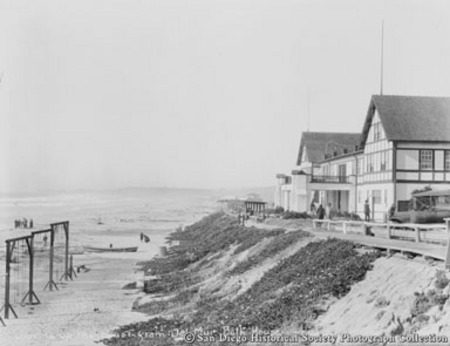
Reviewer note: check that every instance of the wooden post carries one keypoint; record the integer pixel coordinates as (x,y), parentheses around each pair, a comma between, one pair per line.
(447,222)
(344,225)
(7,306)
(447,257)
(66,264)
(30,277)
(30,294)
(50,284)
(72,272)
(329,225)
(65,225)
(7,278)
(51,258)
(417,234)
(389,235)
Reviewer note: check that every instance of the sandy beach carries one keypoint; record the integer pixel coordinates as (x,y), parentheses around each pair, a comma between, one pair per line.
(91,306)
(88,308)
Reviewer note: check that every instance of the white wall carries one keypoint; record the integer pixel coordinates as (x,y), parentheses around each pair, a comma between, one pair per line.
(387,198)
(408,159)
(299,195)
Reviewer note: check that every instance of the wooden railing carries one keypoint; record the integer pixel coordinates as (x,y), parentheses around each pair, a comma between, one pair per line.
(329,179)
(395,237)
(421,232)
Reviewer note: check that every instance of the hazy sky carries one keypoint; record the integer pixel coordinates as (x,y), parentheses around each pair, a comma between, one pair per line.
(190,93)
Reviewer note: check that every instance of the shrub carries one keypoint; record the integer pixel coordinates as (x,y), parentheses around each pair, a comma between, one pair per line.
(276,245)
(315,272)
(130,286)
(381,302)
(441,280)
(295,215)
(424,302)
(293,290)
(276,210)
(380,315)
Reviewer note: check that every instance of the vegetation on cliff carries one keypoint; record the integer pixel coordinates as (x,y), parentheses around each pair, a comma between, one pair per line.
(292,292)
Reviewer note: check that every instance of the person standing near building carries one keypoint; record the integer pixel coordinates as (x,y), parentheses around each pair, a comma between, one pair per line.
(391,211)
(328,211)
(313,207)
(366,211)
(320,212)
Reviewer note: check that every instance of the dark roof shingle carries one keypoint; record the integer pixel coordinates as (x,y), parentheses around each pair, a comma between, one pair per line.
(315,143)
(414,118)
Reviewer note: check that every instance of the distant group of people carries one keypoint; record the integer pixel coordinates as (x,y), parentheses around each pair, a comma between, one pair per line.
(144,238)
(242,218)
(24,223)
(327,212)
(321,212)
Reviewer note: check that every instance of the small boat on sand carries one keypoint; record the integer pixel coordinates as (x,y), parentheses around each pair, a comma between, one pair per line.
(110,249)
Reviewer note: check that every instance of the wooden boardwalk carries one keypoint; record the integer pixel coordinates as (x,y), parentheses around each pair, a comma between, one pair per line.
(434,251)
(429,241)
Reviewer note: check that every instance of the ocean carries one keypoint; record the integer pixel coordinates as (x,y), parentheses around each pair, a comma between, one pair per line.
(115,210)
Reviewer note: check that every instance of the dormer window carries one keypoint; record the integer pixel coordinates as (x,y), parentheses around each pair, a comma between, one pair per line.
(376,132)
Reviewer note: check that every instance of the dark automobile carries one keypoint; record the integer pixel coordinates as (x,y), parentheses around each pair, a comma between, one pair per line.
(425,207)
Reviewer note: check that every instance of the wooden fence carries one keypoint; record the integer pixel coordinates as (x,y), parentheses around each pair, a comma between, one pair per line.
(393,232)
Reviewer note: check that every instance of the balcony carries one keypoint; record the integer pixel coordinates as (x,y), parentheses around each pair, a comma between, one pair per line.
(340,179)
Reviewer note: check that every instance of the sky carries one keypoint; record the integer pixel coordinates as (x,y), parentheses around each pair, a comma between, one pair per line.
(199,93)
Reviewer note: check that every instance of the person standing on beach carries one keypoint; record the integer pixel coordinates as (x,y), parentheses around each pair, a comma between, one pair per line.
(31,223)
(366,211)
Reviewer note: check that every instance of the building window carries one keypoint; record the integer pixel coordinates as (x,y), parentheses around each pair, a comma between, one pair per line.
(376,132)
(369,163)
(361,166)
(383,161)
(376,194)
(447,160)
(426,160)
(403,205)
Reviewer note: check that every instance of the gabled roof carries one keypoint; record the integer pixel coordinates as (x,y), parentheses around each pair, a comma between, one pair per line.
(317,144)
(411,118)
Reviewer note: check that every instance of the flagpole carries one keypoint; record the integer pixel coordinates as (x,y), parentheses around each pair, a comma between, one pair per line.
(382,56)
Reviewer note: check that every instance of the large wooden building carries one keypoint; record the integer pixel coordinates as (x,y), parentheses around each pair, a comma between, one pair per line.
(404,145)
